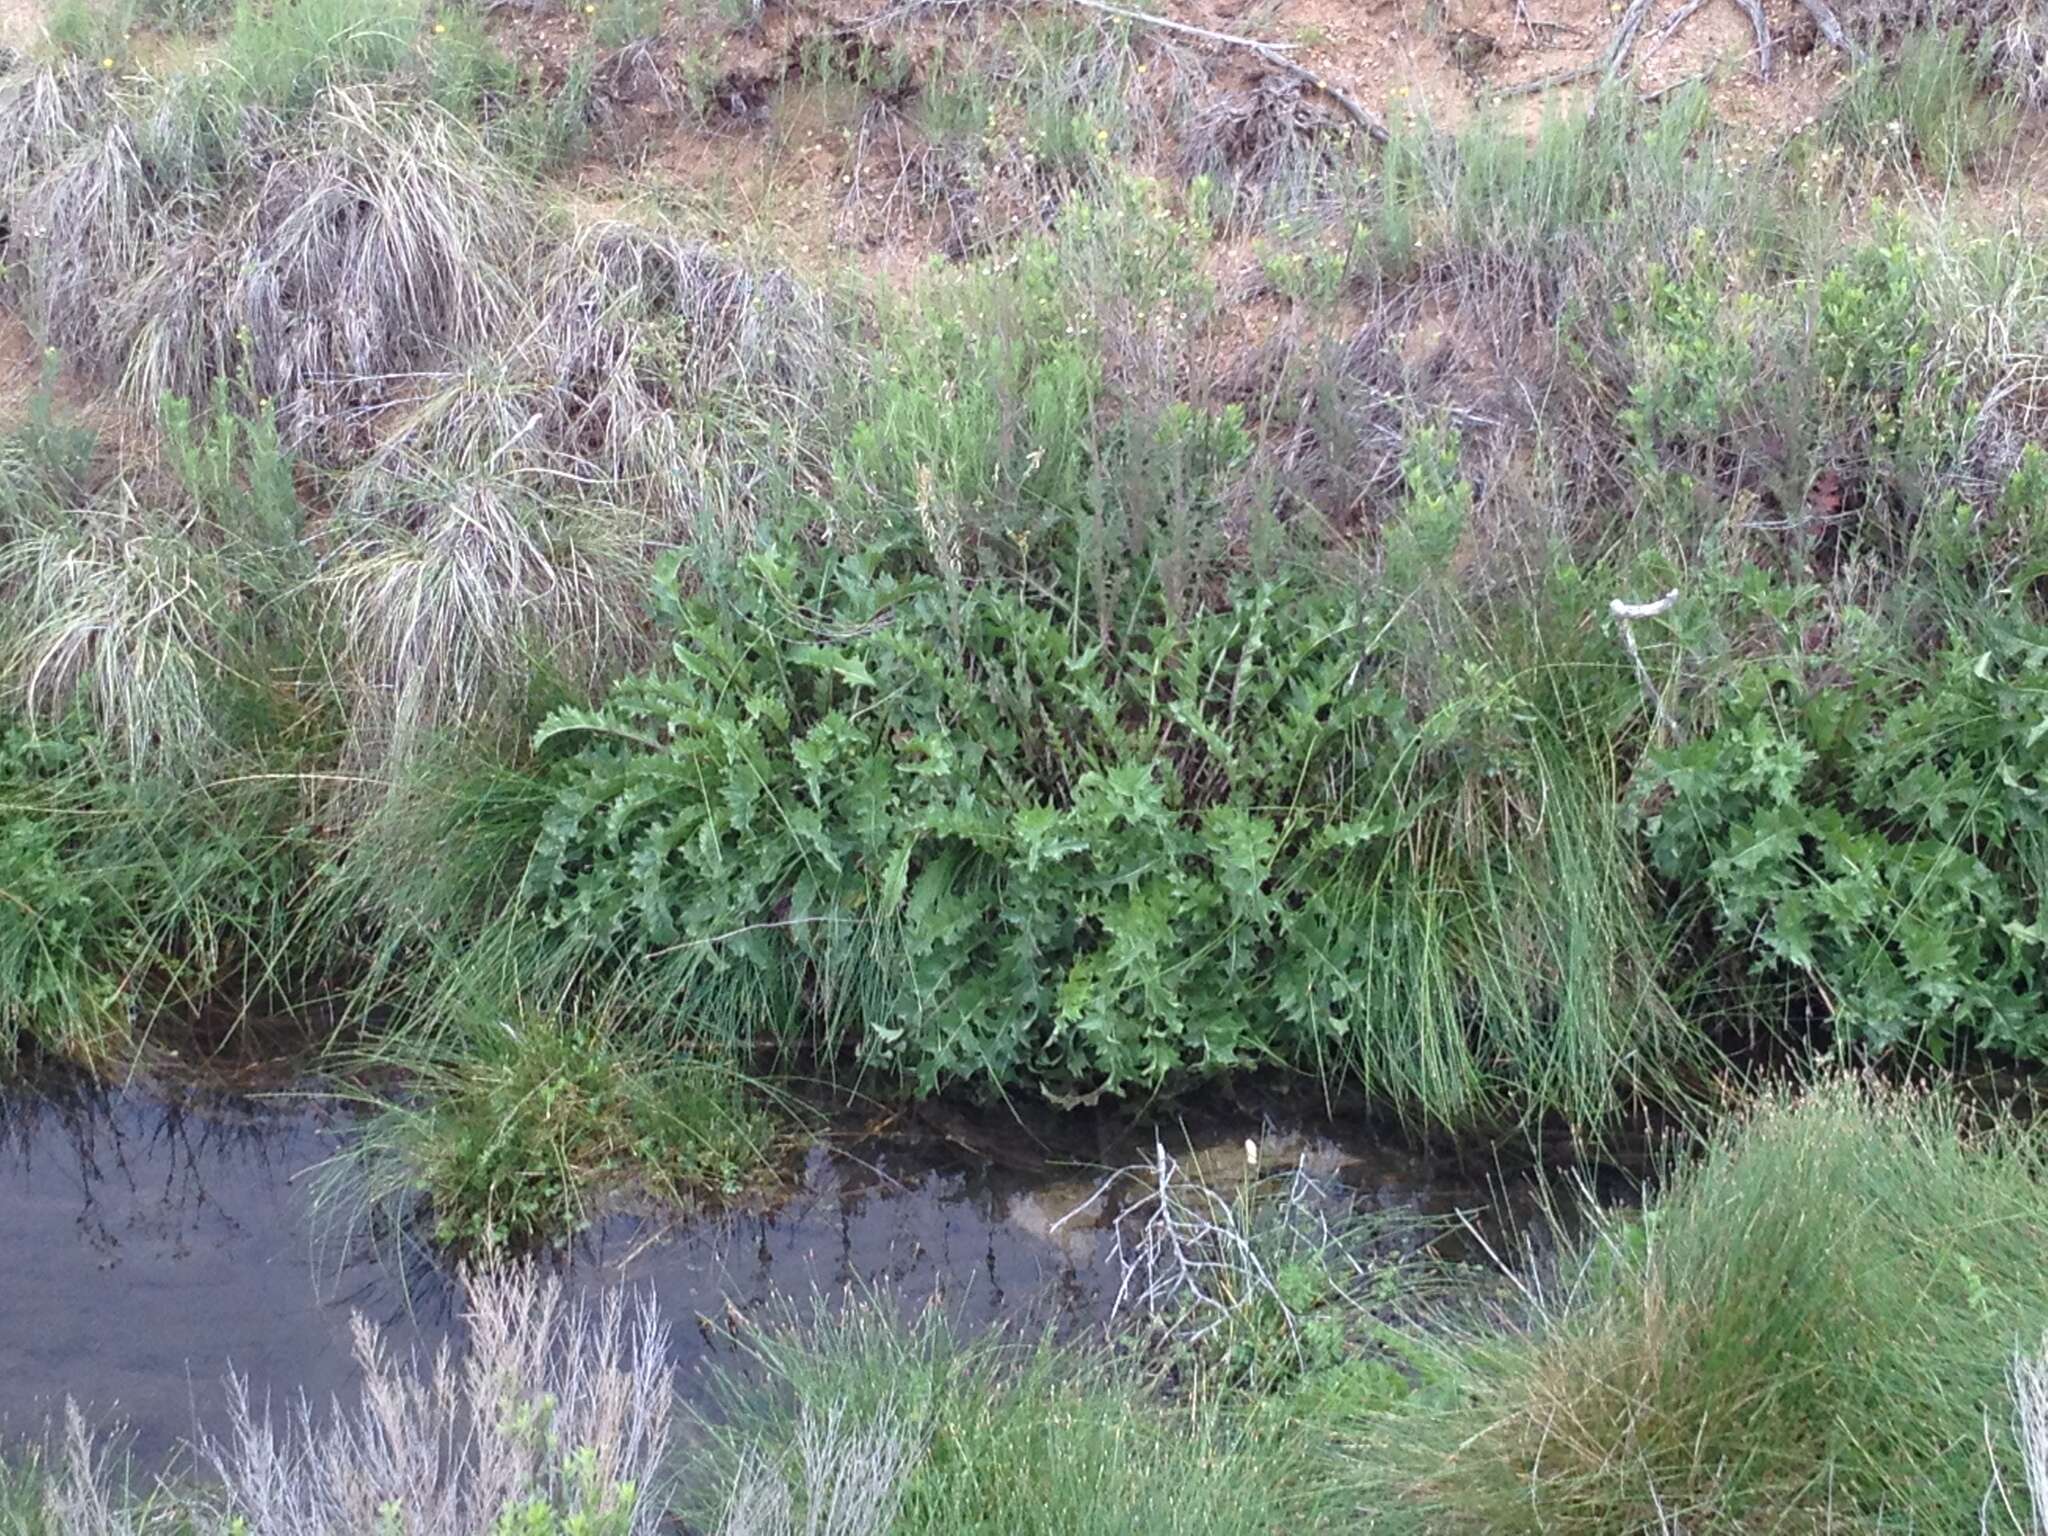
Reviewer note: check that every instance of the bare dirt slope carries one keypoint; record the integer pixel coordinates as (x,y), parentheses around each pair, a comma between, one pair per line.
(757,154)
(1446,60)
(20,21)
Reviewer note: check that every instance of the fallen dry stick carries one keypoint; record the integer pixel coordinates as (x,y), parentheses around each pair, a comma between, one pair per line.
(1758,20)
(1624,38)
(1623,612)
(1830,28)
(1270,52)
(1610,63)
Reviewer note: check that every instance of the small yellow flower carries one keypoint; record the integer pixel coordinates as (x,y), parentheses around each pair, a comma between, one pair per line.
(106,63)
(590,10)
(440,28)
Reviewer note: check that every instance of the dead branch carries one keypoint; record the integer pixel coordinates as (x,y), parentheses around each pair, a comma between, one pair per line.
(1532,25)
(1623,612)
(1607,67)
(1648,98)
(1823,16)
(1547,82)
(1271,52)
(1762,24)
(1668,27)
(1624,39)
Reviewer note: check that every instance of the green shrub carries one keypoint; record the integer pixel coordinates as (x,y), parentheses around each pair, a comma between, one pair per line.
(1874,824)
(1809,1330)
(986,845)
(512,1127)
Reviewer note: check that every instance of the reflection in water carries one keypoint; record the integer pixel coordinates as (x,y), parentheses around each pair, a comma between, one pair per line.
(148,1246)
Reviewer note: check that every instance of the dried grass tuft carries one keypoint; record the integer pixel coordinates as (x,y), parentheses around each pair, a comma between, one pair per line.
(849,1481)
(555,1405)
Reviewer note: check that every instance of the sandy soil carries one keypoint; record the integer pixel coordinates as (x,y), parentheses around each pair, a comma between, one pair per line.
(20,21)
(774,161)
(20,368)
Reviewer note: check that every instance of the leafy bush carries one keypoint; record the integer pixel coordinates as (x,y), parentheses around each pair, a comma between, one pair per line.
(989,844)
(1880,831)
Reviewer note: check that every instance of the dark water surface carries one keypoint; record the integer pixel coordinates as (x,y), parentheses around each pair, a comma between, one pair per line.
(148,1245)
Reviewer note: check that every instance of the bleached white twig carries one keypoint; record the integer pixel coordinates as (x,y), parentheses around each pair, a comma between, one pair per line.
(1623,614)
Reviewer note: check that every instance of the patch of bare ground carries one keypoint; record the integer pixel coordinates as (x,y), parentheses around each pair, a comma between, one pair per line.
(1444,62)
(2012,188)
(21,372)
(20,22)
(733,122)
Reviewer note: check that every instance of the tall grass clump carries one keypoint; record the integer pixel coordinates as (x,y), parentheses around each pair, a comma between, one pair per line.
(163,608)
(379,247)
(864,1425)
(147,642)
(294,212)
(1933,101)
(651,395)
(131,903)
(508,1131)
(1809,1328)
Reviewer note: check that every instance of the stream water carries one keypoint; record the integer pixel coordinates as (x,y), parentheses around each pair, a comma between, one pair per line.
(149,1244)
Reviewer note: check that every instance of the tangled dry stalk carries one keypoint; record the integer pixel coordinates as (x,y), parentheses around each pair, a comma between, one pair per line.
(554,1406)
